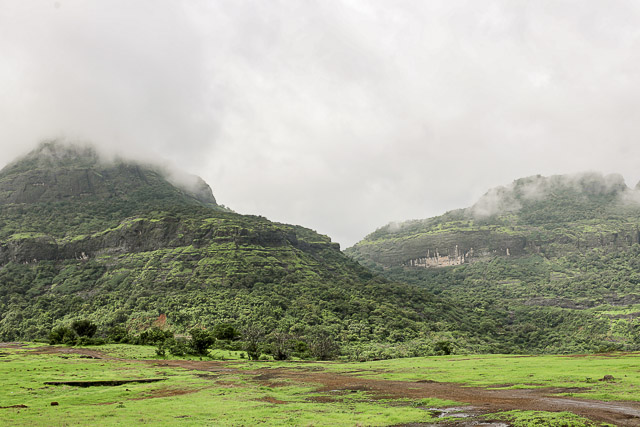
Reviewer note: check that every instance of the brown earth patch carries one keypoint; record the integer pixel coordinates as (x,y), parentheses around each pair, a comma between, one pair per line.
(484,400)
(82,352)
(11,345)
(13,406)
(609,354)
(322,399)
(111,383)
(275,384)
(228,384)
(169,392)
(273,400)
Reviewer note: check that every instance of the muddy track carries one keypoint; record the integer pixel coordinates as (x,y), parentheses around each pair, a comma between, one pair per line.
(483,400)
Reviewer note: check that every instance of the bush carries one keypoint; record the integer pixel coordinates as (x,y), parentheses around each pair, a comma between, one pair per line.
(443,348)
(63,335)
(281,345)
(225,331)
(84,328)
(201,341)
(177,347)
(90,341)
(322,346)
(118,334)
(253,341)
(153,336)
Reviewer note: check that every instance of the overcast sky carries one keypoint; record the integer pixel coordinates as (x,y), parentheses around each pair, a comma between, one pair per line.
(337,115)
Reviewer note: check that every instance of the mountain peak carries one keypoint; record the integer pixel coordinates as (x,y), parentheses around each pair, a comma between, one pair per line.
(59,171)
(75,183)
(577,191)
(53,153)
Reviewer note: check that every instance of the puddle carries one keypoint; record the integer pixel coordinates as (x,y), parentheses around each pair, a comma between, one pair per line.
(460,413)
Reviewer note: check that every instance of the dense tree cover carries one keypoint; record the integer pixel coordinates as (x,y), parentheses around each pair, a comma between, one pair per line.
(282,290)
(118,246)
(570,282)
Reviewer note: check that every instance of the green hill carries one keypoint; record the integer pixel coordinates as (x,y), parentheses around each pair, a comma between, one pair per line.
(118,243)
(551,264)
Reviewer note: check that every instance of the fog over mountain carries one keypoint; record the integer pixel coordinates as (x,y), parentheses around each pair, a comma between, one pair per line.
(338,115)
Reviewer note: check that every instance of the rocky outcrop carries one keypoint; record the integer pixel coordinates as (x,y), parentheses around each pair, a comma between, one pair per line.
(143,235)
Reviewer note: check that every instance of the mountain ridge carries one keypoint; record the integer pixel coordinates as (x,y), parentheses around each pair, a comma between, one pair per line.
(553,268)
(513,220)
(136,249)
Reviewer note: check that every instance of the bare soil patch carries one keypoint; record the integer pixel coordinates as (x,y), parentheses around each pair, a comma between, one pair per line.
(482,399)
(168,392)
(98,383)
(87,353)
(273,400)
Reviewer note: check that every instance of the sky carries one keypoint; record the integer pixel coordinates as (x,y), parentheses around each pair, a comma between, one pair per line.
(340,116)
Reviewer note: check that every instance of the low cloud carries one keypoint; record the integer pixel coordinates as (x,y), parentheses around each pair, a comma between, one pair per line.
(338,115)
(503,200)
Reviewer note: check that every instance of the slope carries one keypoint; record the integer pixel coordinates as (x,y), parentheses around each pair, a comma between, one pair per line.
(551,263)
(117,243)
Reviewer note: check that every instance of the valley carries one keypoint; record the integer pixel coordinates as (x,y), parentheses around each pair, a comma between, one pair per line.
(522,309)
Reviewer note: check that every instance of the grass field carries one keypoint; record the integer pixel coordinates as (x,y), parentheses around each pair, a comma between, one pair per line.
(239,392)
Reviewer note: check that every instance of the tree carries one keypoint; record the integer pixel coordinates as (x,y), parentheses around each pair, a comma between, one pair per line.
(118,334)
(281,345)
(253,339)
(201,341)
(84,328)
(322,346)
(225,331)
(62,335)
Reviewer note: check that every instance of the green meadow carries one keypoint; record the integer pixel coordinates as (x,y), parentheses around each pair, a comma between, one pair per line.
(231,392)
(582,372)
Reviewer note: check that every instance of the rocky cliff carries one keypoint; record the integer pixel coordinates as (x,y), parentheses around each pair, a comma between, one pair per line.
(533,215)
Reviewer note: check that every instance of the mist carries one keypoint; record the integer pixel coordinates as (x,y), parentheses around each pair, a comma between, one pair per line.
(341,116)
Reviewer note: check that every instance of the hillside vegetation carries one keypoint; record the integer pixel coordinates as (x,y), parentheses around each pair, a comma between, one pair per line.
(116,243)
(550,264)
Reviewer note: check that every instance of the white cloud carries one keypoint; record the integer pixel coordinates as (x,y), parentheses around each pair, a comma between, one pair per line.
(338,115)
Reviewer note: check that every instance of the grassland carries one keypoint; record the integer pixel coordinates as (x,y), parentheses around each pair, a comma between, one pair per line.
(239,392)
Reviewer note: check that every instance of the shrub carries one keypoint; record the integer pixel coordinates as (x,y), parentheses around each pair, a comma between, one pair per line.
(118,334)
(201,341)
(62,335)
(84,328)
(153,336)
(225,331)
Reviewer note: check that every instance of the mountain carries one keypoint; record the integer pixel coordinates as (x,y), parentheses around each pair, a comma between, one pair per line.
(550,262)
(123,244)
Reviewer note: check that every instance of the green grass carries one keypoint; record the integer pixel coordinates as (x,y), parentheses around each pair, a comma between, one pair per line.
(232,394)
(516,372)
(198,397)
(541,418)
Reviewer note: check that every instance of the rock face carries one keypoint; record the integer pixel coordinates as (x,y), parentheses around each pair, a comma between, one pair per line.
(144,235)
(67,180)
(531,216)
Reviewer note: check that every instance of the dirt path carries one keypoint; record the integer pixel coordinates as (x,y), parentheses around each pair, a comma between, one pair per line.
(482,399)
